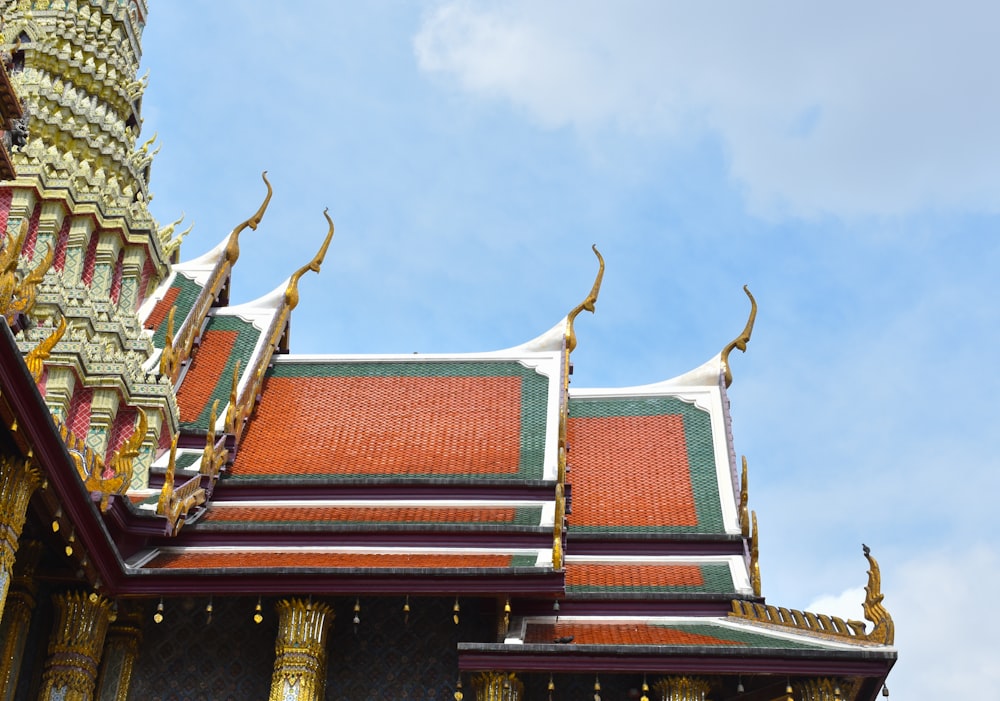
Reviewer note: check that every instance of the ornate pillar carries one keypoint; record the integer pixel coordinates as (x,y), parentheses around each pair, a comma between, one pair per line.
(17,618)
(18,479)
(120,652)
(300,650)
(498,686)
(823,689)
(81,624)
(681,689)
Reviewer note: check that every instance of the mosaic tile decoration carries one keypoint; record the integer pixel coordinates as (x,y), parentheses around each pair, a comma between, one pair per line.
(225,340)
(623,577)
(454,419)
(184,298)
(386,656)
(642,465)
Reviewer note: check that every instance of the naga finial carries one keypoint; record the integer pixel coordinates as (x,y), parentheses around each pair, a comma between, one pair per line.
(740,341)
(884,631)
(36,357)
(26,291)
(167,490)
(233,247)
(292,290)
(168,356)
(167,232)
(588,304)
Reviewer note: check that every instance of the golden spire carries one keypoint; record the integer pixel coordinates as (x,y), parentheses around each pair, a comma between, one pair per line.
(233,246)
(587,304)
(740,341)
(292,291)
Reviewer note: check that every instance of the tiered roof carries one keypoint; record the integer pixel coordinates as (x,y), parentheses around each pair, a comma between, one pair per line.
(612,522)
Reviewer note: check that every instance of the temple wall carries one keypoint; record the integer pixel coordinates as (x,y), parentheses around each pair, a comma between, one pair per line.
(384,657)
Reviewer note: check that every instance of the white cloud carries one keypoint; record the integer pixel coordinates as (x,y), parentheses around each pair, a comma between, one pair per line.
(850,108)
(945,623)
(846,605)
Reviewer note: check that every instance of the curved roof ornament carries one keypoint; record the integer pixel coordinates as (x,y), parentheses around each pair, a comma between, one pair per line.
(740,341)
(587,304)
(292,290)
(884,630)
(233,245)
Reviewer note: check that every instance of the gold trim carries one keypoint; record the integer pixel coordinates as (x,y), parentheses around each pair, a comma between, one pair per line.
(26,290)
(741,341)
(231,410)
(36,357)
(292,290)
(884,631)
(588,303)
(233,245)
(755,555)
(744,501)
(169,356)
(122,463)
(825,626)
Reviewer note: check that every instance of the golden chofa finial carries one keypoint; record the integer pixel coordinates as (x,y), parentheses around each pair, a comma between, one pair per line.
(587,304)
(884,631)
(740,341)
(233,247)
(292,291)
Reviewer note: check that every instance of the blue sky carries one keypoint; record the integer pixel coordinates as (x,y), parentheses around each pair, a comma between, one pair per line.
(843,161)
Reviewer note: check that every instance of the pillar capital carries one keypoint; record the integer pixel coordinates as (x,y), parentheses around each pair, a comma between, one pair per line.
(498,686)
(78,632)
(300,650)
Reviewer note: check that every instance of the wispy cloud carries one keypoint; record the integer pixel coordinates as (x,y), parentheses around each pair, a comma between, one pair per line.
(850,108)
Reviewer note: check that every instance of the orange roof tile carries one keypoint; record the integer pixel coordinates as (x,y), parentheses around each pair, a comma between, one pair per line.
(630,471)
(613,633)
(623,574)
(443,425)
(162,308)
(354,514)
(348,561)
(205,372)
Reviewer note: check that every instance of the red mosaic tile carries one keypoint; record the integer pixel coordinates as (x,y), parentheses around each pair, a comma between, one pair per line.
(617,634)
(630,471)
(28,250)
(385,425)
(62,241)
(347,561)
(623,574)
(205,372)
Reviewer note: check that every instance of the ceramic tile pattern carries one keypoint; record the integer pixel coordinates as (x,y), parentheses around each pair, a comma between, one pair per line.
(184,298)
(620,577)
(415,515)
(347,561)
(398,419)
(225,340)
(642,465)
(651,633)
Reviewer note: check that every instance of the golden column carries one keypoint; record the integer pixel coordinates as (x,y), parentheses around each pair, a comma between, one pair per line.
(300,650)
(120,652)
(81,624)
(19,607)
(18,479)
(498,686)
(824,689)
(681,689)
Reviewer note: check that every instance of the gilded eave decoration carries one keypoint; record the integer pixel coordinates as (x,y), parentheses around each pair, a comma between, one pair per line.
(18,292)
(741,341)
(882,633)
(114,477)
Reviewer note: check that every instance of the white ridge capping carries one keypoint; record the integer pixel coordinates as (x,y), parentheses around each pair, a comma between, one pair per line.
(700,388)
